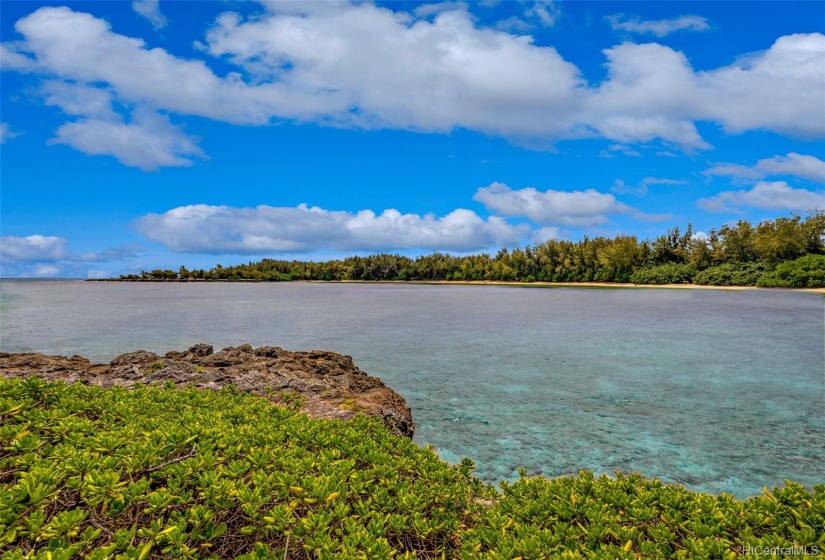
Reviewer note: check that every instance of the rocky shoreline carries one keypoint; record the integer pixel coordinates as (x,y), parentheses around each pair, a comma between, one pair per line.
(326,384)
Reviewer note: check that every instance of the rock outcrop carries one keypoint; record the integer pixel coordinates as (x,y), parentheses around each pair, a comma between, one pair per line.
(327,385)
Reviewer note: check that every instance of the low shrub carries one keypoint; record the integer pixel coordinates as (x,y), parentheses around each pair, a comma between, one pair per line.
(804,272)
(158,472)
(733,274)
(670,273)
(163,473)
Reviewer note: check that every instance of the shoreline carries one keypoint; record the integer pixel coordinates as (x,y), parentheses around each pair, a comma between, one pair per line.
(611,285)
(540,284)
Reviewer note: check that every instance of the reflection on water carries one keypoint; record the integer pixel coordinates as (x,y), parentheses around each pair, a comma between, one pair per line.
(718,390)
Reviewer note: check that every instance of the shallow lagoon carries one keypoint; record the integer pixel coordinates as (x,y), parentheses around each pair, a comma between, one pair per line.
(718,390)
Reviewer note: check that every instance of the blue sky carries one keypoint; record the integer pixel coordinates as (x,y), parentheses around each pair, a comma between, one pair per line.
(142,135)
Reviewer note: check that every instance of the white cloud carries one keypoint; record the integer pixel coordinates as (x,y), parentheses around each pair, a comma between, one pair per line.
(765,195)
(514,24)
(620,148)
(787,78)
(545,234)
(79,100)
(426,10)
(620,187)
(576,208)
(807,167)
(545,11)
(652,91)
(50,249)
(148,141)
(797,165)
(364,66)
(77,46)
(659,181)
(11,59)
(150,9)
(34,248)
(6,133)
(41,256)
(402,72)
(659,27)
(46,271)
(265,229)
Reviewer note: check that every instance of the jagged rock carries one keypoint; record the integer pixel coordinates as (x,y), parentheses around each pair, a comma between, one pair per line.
(269,351)
(330,384)
(134,358)
(196,351)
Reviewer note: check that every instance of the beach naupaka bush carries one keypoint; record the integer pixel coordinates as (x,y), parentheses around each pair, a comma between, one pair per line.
(157,472)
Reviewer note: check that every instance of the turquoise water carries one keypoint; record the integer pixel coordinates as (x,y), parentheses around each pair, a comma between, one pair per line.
(723,391)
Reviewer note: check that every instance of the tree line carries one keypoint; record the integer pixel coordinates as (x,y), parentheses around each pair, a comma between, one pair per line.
(787,251)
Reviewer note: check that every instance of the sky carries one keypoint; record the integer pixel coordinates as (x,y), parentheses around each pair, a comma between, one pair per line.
(153,134)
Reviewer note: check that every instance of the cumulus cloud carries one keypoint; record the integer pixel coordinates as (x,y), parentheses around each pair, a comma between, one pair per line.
(223,229)
(365,66)
(79,100)
(658,27)
(575,208)
(46,256)
(765,195)
(653,92)
(402,72)
(79,47)
(787,78)
(545,234)
(53,249)
(45,271)
(148,140)
(150,9)
(797,165)
(34,248)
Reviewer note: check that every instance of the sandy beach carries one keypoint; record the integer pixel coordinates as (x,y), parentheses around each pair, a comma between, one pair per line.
(592,285)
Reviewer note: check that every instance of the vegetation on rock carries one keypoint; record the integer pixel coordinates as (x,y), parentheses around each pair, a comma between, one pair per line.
(744,252)
(160,472)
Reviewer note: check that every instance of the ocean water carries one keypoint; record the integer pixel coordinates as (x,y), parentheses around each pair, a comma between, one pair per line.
(723,391)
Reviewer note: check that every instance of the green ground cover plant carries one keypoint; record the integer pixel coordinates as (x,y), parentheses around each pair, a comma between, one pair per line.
(158,472)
